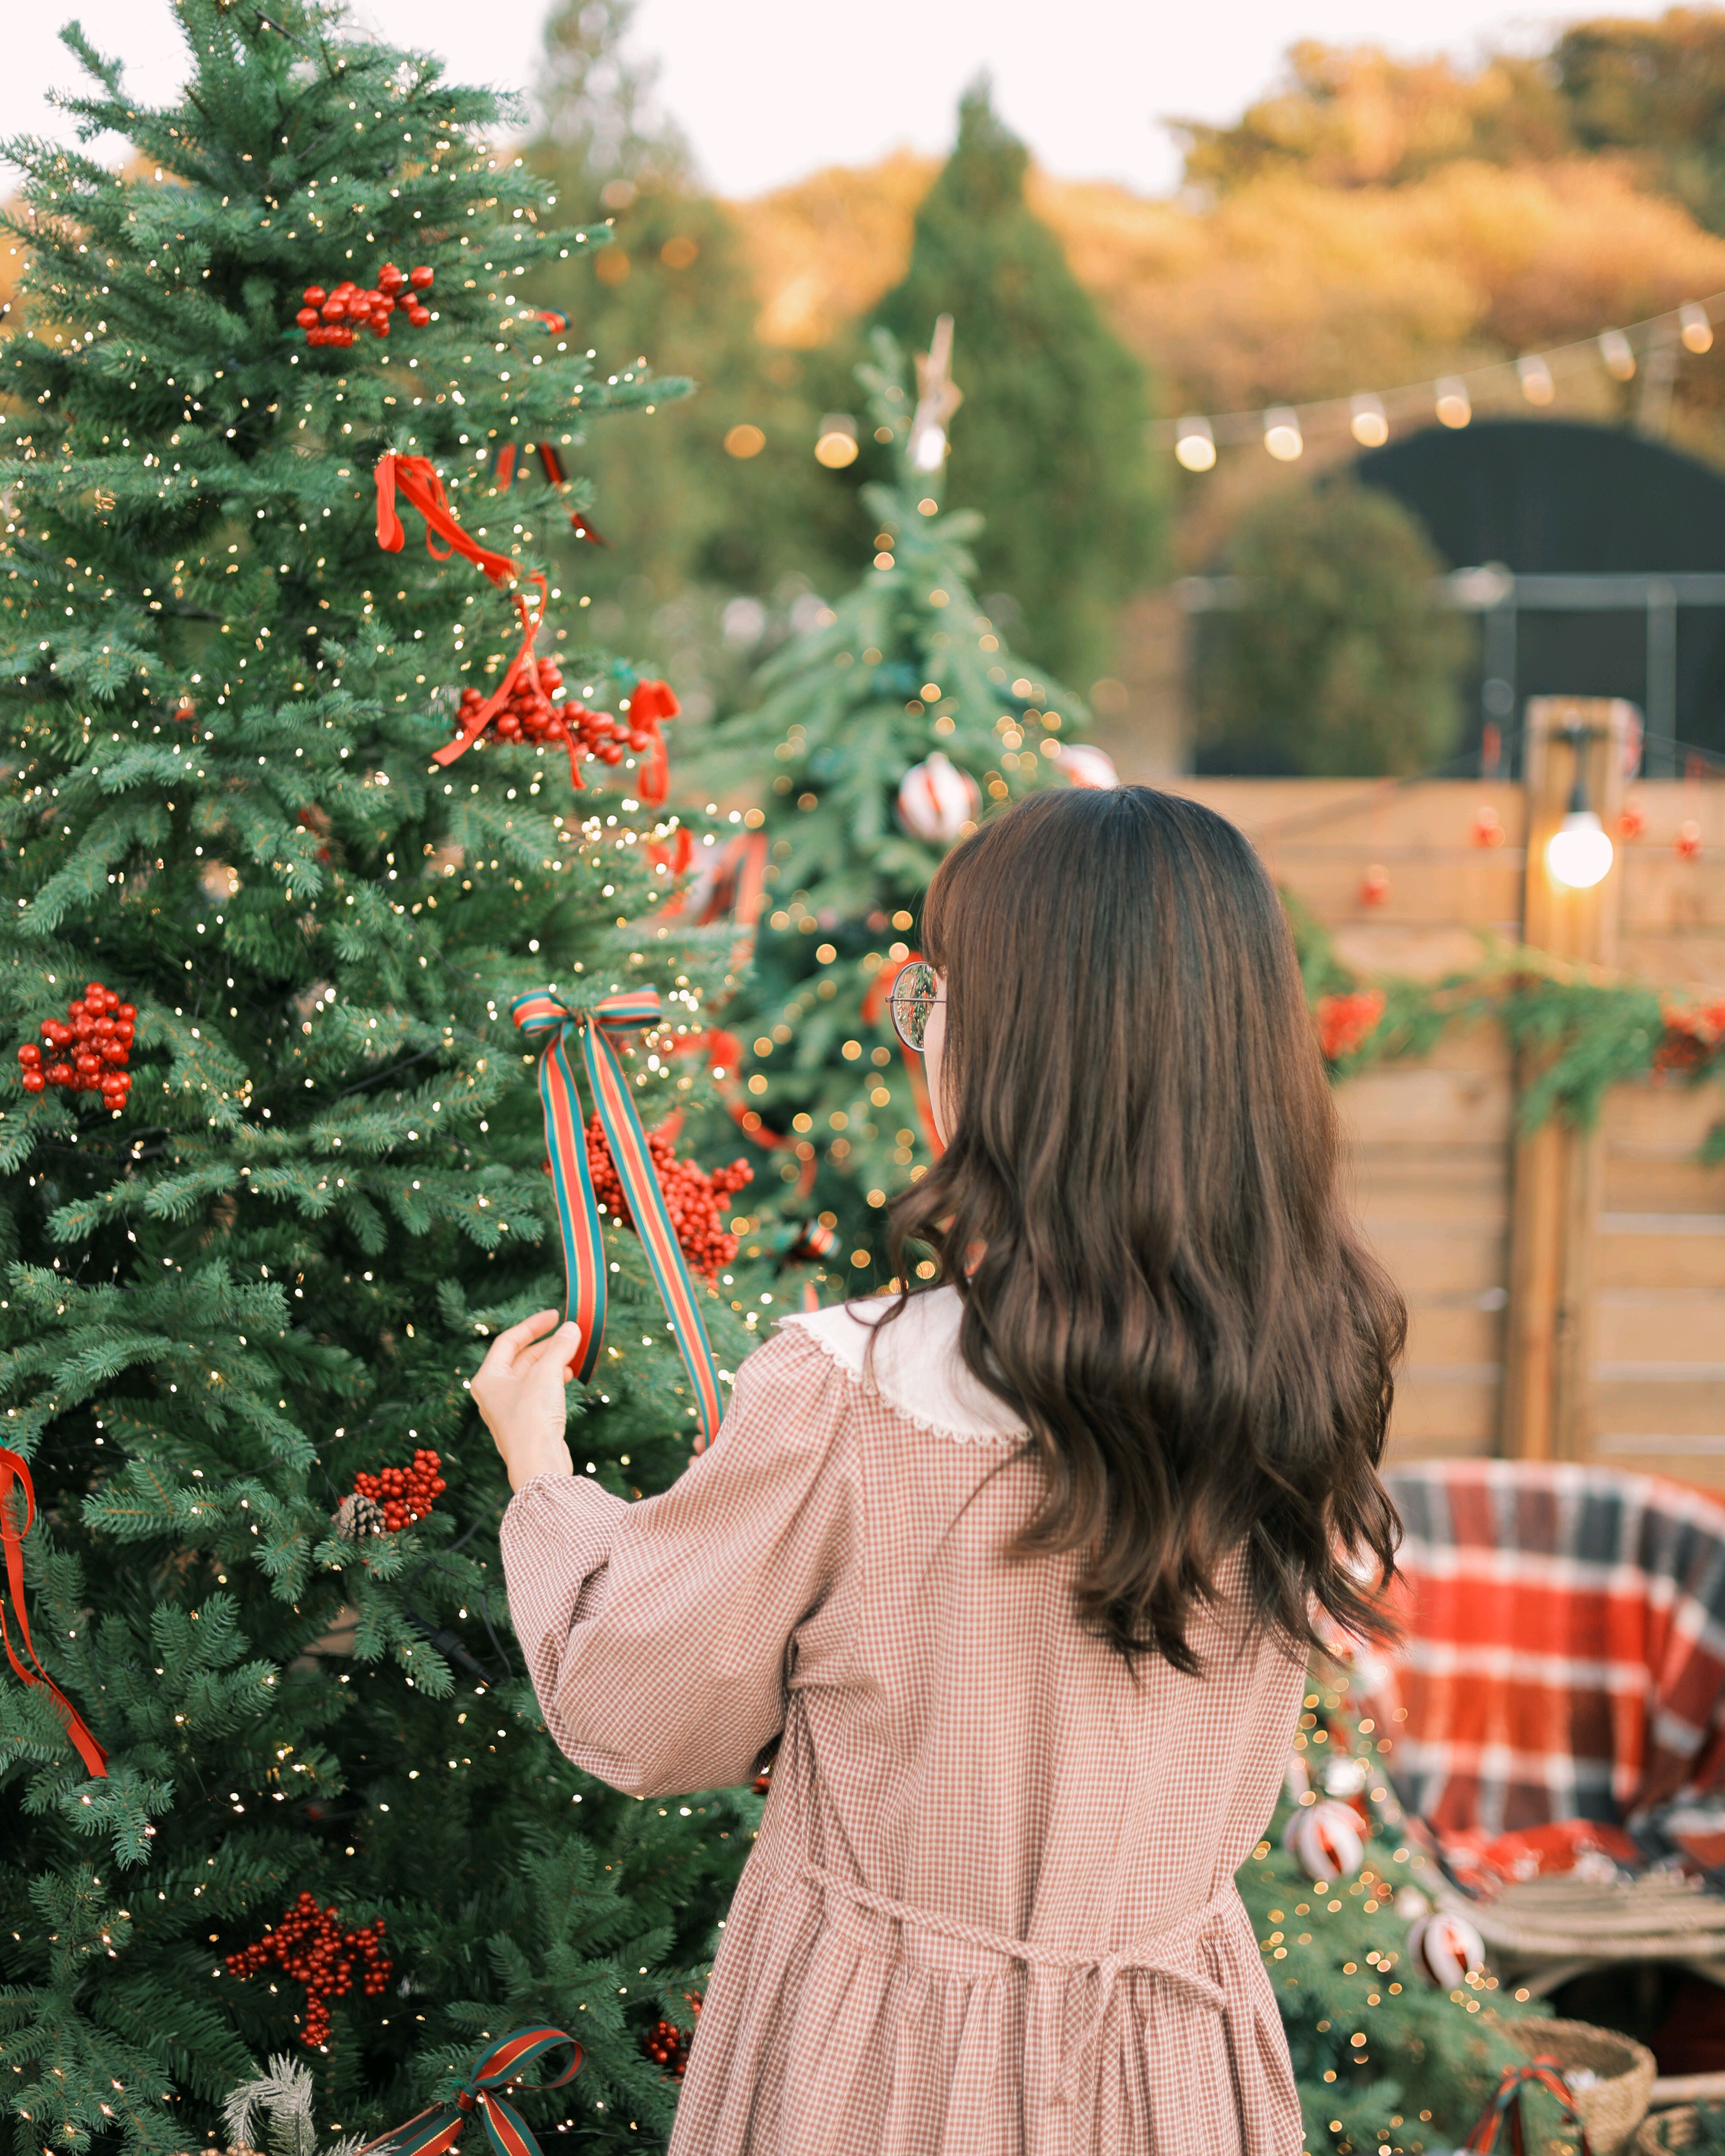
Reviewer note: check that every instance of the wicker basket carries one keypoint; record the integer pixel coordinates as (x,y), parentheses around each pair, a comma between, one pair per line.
(1616,2107)
(1666,2132)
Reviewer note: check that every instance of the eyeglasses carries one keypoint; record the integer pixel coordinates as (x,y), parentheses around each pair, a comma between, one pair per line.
(913,997)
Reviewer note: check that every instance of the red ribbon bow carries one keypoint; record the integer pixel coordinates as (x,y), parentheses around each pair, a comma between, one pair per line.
(1541,2071)
(14,1470)
(649,702)
(550,1024)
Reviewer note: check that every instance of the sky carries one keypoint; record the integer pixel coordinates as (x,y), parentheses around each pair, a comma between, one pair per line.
(767,90)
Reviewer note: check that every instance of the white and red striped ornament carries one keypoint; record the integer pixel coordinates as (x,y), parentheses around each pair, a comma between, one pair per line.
(1445,1949)
(936,800)
(1085,764)
(1326,1839)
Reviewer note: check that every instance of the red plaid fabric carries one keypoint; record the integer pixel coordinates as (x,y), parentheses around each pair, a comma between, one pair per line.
(1564,1650)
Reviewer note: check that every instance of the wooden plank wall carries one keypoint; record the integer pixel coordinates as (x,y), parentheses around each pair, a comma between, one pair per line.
(1429,1142)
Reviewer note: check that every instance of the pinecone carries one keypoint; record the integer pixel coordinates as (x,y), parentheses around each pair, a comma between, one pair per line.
(358,1516)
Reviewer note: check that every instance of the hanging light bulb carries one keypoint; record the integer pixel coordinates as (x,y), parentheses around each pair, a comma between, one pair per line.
(1454,407)
(1366,421)
(1578,853)
(1618,353)
(1697,330)
(1537,384)
(1195,443)
(1281,433)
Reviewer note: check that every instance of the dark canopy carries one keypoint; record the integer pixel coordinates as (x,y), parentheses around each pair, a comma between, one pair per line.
(1545,496)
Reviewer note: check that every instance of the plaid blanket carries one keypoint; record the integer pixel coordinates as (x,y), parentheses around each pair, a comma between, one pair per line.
(1564,1650)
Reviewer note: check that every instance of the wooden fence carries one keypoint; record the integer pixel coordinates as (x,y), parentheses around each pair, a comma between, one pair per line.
(1640,1313)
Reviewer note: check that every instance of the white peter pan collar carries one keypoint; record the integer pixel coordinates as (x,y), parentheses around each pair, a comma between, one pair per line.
(915,1365)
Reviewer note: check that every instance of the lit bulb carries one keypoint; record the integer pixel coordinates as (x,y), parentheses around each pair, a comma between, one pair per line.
(1369,426)
(835,450)
(1194,444)
(1281,433)
(928,448)
(1579,853)
(1455,408)
(1536,379)
(1697,329)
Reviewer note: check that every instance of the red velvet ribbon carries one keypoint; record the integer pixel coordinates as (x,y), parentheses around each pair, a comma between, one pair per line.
(649,702)
(551,462)
(482,715)
(415,478)
(14,1472)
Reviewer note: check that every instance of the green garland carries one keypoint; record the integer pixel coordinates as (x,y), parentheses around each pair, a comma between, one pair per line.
(1582,1030)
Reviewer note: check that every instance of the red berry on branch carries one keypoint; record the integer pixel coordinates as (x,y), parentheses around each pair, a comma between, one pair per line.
(419,278)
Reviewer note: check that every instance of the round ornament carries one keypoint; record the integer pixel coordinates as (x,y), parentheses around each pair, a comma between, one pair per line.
(936,800)
(1086,765)
(1326,1841)
(1445,1949)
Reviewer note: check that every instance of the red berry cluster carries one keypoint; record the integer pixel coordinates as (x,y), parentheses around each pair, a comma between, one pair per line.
(1347,1022)
(333,317)
(694,1198)
(98,1031)
(668,2045)
(405,1494)
(530,714)
(309,1946)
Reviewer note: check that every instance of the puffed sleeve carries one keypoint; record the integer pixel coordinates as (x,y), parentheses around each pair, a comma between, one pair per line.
(660,1635)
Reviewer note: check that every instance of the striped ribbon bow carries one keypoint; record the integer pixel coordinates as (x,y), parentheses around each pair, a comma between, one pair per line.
(441,2128)
(1541,2071)
(544,1016)
(15,1473)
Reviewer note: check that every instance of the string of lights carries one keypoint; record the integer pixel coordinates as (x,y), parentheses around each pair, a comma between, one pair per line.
(1649,348)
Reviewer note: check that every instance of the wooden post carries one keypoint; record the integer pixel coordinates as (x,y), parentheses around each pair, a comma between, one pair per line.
(1547,1381)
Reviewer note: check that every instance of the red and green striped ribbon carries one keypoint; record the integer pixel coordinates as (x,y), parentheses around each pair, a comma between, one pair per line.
(440,2128)
(543,1016)
(1542,2071)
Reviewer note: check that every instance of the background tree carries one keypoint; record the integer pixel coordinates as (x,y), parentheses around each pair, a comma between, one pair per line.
(906,667)
(723,496)
(1391,2049)
(1056,456)
(269,1271)
(1337,663)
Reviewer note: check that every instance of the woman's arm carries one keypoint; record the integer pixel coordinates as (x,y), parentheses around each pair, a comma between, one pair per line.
(660,1635)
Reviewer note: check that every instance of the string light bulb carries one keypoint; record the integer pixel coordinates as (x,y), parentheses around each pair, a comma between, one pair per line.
(1579,853)
(1281,433)
(1537,384)
(1367,422)
(1195,443)
(1618,354)
(1454,407)
(1696,329)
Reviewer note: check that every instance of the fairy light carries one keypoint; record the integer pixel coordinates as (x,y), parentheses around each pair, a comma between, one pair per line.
(1695,329)
(1368,423)
(1283,437)
(1453,404)
(1195,443)
(1534,375)
(1618,355)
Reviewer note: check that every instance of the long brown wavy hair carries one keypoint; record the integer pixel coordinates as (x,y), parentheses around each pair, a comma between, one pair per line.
(1139,1206)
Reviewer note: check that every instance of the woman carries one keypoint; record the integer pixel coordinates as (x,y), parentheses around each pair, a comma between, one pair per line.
(1019,1572)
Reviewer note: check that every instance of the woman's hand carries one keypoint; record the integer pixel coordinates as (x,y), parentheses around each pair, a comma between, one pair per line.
(519,1390)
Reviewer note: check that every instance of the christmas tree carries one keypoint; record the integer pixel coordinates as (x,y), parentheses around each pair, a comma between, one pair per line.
(1055,423)
(270,1153)
(888,727)
(1393,2021)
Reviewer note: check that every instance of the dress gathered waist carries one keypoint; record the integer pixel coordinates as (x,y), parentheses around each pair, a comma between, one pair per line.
(1152,1954)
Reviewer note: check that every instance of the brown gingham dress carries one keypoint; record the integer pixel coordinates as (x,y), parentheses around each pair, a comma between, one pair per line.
(991,1909)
